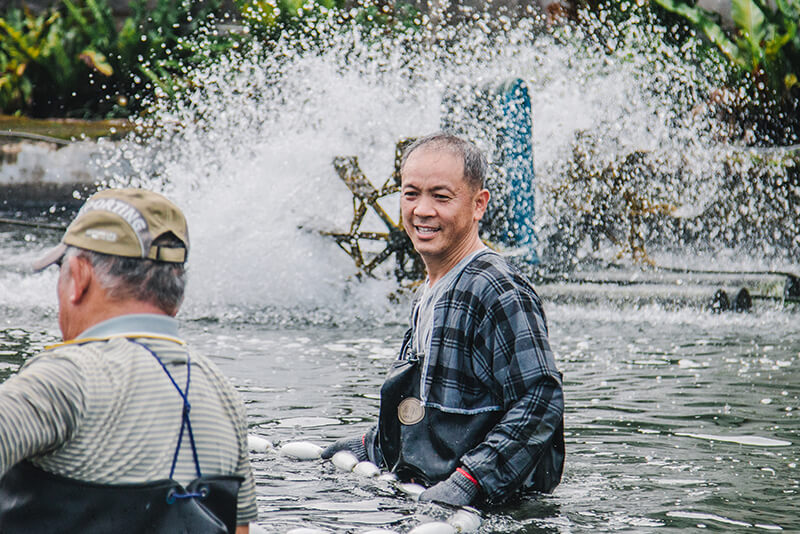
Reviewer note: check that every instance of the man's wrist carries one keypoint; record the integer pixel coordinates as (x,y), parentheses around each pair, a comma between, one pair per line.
(465,482)
(468,476)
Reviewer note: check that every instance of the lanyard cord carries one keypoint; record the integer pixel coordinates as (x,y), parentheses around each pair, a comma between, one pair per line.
(185,422)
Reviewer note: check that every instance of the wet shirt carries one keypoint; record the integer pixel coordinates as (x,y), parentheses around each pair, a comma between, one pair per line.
(489,351)
(104,411)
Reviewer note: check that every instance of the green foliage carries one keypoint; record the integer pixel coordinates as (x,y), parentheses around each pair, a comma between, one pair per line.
(763,51)
(269,20)
(74,60)
(764,37)
(26,41)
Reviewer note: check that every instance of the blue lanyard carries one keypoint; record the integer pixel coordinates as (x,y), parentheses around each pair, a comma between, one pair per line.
(186,424)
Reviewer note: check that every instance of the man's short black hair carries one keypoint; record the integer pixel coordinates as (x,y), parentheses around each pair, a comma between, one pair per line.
(475,164)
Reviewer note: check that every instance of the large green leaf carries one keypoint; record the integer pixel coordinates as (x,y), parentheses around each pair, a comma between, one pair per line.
(62,67)
(103,19)
(750,21)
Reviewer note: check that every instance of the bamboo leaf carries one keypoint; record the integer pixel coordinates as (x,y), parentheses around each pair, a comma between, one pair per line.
(102,18)
(64,67)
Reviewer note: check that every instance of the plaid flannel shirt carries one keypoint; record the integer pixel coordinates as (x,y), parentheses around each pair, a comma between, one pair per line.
(490,352)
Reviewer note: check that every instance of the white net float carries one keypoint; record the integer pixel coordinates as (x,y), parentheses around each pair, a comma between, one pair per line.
(366,469)
(434,527)
(411,489)
(301,450)
(344,461)
(258,444)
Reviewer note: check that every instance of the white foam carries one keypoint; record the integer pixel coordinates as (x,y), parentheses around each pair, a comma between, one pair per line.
(754,441)
(465,521)
(708,517)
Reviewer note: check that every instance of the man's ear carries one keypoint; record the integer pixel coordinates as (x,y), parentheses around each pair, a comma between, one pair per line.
(481,201)
(81,274)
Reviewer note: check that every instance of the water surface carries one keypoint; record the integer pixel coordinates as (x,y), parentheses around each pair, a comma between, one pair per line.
(675,419)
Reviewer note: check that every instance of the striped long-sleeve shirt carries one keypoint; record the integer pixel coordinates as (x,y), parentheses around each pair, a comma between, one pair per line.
(105,411)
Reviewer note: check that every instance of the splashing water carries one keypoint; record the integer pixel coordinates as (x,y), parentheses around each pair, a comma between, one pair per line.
(248,152)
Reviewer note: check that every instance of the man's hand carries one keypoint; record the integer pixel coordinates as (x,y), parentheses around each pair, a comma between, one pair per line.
(354,445)
(460,489)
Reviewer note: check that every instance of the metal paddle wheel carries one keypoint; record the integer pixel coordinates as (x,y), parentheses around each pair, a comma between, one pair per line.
(360,244)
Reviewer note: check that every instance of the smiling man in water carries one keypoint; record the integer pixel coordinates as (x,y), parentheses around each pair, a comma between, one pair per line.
(122,428)
(473,407)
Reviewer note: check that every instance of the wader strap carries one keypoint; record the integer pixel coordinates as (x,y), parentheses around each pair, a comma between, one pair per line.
(185,422)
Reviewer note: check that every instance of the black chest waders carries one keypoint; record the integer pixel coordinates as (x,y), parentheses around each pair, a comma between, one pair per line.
(35,501)
(422,443)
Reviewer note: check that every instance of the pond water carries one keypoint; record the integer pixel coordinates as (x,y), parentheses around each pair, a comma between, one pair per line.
(676,419)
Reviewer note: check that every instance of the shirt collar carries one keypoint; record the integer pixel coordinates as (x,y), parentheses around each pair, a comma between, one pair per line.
(455,270)
(136,323)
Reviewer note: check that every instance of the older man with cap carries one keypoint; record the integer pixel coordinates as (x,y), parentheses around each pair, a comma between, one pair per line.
(473,407)
(122,428)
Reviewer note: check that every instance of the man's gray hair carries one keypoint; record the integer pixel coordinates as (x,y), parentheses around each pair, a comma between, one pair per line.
(159,283)
(475,164)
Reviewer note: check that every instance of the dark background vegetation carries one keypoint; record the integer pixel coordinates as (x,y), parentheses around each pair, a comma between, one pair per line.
(107,58)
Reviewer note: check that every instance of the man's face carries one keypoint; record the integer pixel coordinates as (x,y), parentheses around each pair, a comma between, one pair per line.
(440,210)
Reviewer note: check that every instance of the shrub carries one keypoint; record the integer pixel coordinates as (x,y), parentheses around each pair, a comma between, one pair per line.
(763,52)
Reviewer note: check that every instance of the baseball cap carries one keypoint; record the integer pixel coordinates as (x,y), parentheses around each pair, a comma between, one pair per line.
(124,222)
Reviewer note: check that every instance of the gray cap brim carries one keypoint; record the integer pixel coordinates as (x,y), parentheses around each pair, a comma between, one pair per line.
(52,256)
